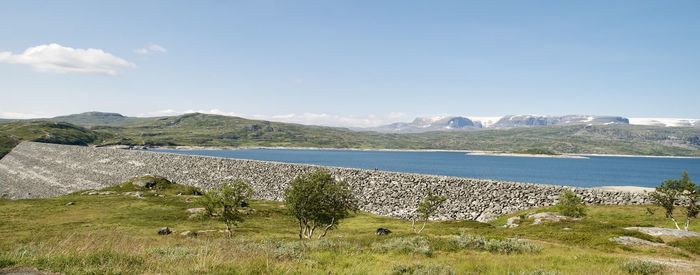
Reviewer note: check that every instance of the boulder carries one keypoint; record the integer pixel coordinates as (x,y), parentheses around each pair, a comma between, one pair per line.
(665,232)
(630,241)
(539,218)
(144,181)
(196,212)
(383,231)
(150,182)
(512,222)
(164,231)
(135,194)
(188,234)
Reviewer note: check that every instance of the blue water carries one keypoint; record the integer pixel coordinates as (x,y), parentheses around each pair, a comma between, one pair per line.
(591,172)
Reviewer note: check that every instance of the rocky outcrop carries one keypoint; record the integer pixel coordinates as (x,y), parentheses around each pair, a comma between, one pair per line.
(665,232)
(43,170)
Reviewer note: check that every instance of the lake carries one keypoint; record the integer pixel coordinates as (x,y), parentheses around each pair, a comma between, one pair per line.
(591,172)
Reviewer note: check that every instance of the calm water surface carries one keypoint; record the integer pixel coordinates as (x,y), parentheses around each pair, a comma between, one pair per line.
(594,171)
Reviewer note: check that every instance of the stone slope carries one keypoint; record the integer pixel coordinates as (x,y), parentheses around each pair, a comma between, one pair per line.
(42,170)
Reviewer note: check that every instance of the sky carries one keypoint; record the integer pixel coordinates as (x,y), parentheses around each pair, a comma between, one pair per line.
(350,63)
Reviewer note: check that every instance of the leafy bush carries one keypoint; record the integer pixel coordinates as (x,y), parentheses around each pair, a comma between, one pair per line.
(643,267)
(678,192)
(406,245)
(4,262)
(317,200)
(426,208)
(420,269)
(226,202)
(191,190)
(507,246)
(571,205)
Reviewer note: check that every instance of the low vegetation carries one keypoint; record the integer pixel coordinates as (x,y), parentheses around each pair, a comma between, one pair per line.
(641,267)
(571,205)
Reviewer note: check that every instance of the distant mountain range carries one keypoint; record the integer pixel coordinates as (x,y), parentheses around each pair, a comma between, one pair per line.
(460,123)
(510,134)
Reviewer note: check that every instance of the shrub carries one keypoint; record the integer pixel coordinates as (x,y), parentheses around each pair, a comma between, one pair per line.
(226,202)
(191,190)
(407,245)
(643,267)
(427,207)
(507,246)
(423,270)
(571,205)
(683,192)
(4,262)
(317,200)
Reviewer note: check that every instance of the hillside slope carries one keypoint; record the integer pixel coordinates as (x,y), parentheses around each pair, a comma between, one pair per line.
(215,130)
(13,133)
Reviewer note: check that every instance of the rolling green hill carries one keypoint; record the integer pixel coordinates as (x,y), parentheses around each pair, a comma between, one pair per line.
(90,119)
(214,130)
(13,133)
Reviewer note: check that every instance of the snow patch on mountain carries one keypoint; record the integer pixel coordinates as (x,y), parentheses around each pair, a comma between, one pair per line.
(667,122)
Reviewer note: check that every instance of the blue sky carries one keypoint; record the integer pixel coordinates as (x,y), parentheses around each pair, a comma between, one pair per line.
(351,63)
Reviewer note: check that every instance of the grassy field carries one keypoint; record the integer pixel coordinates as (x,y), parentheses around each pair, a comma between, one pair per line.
(116,233)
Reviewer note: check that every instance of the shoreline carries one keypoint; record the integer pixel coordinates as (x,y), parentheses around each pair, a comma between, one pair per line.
(521,155)
(625,188)
(468,152)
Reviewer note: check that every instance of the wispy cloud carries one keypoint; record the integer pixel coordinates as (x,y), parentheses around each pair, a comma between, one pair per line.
(151,49)
(301,118)
(15,115)
(59,59)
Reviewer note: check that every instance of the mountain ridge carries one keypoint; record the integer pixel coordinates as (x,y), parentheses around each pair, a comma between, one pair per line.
(197,129)
(442,123)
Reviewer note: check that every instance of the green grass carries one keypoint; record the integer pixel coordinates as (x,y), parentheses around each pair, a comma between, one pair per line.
(117,234)
(689,244)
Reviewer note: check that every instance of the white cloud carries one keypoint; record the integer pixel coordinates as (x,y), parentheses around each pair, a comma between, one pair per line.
(14,115)
(150,49)
(59,59)
(301,118)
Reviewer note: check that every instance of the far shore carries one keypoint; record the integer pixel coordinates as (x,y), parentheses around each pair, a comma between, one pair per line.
(468,152)
(524,155)
(631,189)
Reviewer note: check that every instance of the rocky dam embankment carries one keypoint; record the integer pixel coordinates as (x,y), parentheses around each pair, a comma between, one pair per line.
(35,170)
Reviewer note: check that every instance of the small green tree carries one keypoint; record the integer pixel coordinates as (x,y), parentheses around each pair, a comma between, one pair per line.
(317,200)
(225,202)
(678,192)
(571,205)
(426,208)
